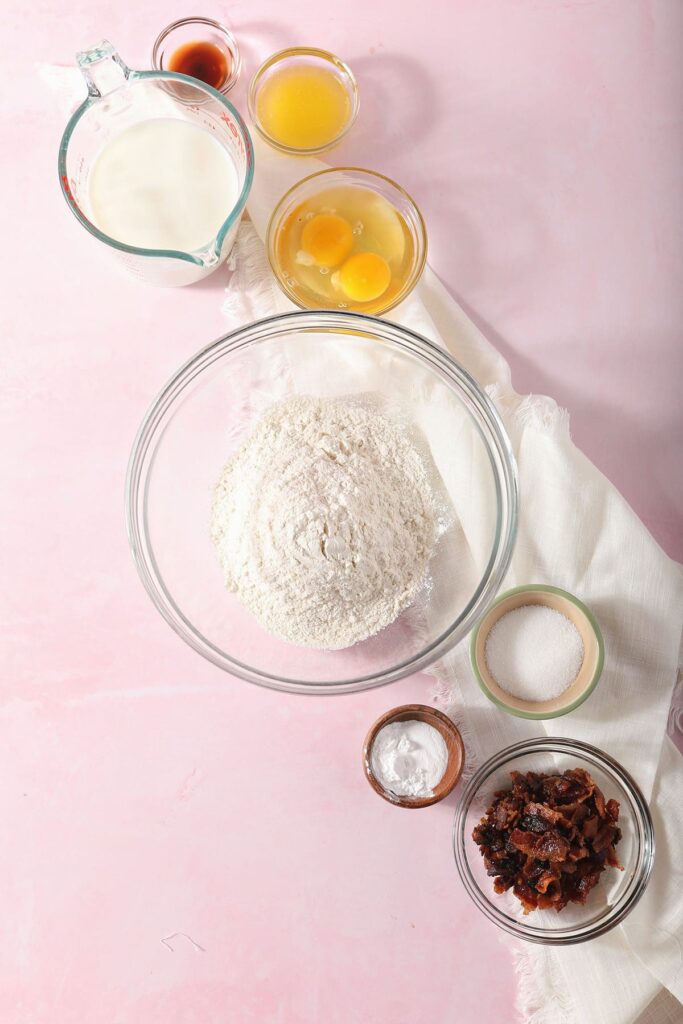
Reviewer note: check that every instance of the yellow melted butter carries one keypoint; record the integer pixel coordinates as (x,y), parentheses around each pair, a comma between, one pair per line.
(303,106)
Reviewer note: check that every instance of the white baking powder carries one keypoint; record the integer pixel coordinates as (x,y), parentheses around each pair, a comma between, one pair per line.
(409,758)
(534,652)
(325,522)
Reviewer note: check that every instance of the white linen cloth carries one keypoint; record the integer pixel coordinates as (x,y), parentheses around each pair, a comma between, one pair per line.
(576,532)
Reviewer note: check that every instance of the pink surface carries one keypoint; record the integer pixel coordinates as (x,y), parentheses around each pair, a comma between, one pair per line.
(143,792)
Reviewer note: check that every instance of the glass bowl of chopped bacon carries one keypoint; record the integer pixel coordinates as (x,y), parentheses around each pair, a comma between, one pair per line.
(553,841)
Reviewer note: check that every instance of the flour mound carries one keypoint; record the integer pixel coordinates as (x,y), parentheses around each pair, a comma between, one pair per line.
(324,522)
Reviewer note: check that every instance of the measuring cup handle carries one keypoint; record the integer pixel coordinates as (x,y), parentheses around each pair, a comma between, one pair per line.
(102,69)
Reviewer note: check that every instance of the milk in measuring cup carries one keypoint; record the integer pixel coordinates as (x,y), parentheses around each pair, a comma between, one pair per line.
(162,184)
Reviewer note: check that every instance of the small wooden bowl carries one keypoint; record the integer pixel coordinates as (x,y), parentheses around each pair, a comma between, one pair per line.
(593,652)
(454,745)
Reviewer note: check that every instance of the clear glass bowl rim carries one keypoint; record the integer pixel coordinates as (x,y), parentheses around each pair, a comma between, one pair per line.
(276,217)
(645,829)
(324,321)
(286,54)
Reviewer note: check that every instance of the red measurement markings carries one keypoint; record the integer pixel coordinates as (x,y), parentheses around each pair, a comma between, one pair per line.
(67,189)
(232,127)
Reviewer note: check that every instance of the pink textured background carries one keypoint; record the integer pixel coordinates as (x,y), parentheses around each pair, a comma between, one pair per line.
(142,792)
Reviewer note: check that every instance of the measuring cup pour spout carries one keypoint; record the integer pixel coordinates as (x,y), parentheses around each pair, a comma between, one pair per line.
(102,69)
(211,257)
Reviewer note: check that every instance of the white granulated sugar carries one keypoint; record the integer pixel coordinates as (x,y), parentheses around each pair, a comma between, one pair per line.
(409,758)
(324,522)
(534,652)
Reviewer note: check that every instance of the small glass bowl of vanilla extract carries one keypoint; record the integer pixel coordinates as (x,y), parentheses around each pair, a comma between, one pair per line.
(201,48)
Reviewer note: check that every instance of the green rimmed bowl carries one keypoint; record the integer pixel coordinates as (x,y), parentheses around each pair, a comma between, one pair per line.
(593,651)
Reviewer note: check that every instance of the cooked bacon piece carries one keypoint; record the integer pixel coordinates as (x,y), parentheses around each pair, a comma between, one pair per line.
(506,812)
(550,846)
(543,811)
(604,837)
(549,838)
(526,896)
(532,823)
(524,841)
(532,870)
(584,884)
(555,902)
(590,827)
(599,802)
(553,847)
(559,790)
(547,879)
(612,808)
(575,813)
(574,786)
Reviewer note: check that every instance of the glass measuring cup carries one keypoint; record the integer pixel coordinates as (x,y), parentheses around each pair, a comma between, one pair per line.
(119,98)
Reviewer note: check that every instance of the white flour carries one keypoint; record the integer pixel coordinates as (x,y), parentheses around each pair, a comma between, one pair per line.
(324,522)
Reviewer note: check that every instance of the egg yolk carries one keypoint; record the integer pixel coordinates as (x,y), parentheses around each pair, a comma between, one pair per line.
(328,238)
(365,276)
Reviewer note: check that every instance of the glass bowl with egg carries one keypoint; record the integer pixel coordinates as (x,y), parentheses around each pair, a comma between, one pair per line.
(199,422)
(349,239)
(618,889)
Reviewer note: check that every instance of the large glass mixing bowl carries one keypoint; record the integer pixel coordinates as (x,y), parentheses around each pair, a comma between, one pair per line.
(204,414)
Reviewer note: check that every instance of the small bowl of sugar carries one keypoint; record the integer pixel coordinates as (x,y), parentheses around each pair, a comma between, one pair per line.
(538,652)
(413,756)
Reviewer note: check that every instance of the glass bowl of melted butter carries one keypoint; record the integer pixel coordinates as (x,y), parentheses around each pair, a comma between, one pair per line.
(303,100)
(347,239)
